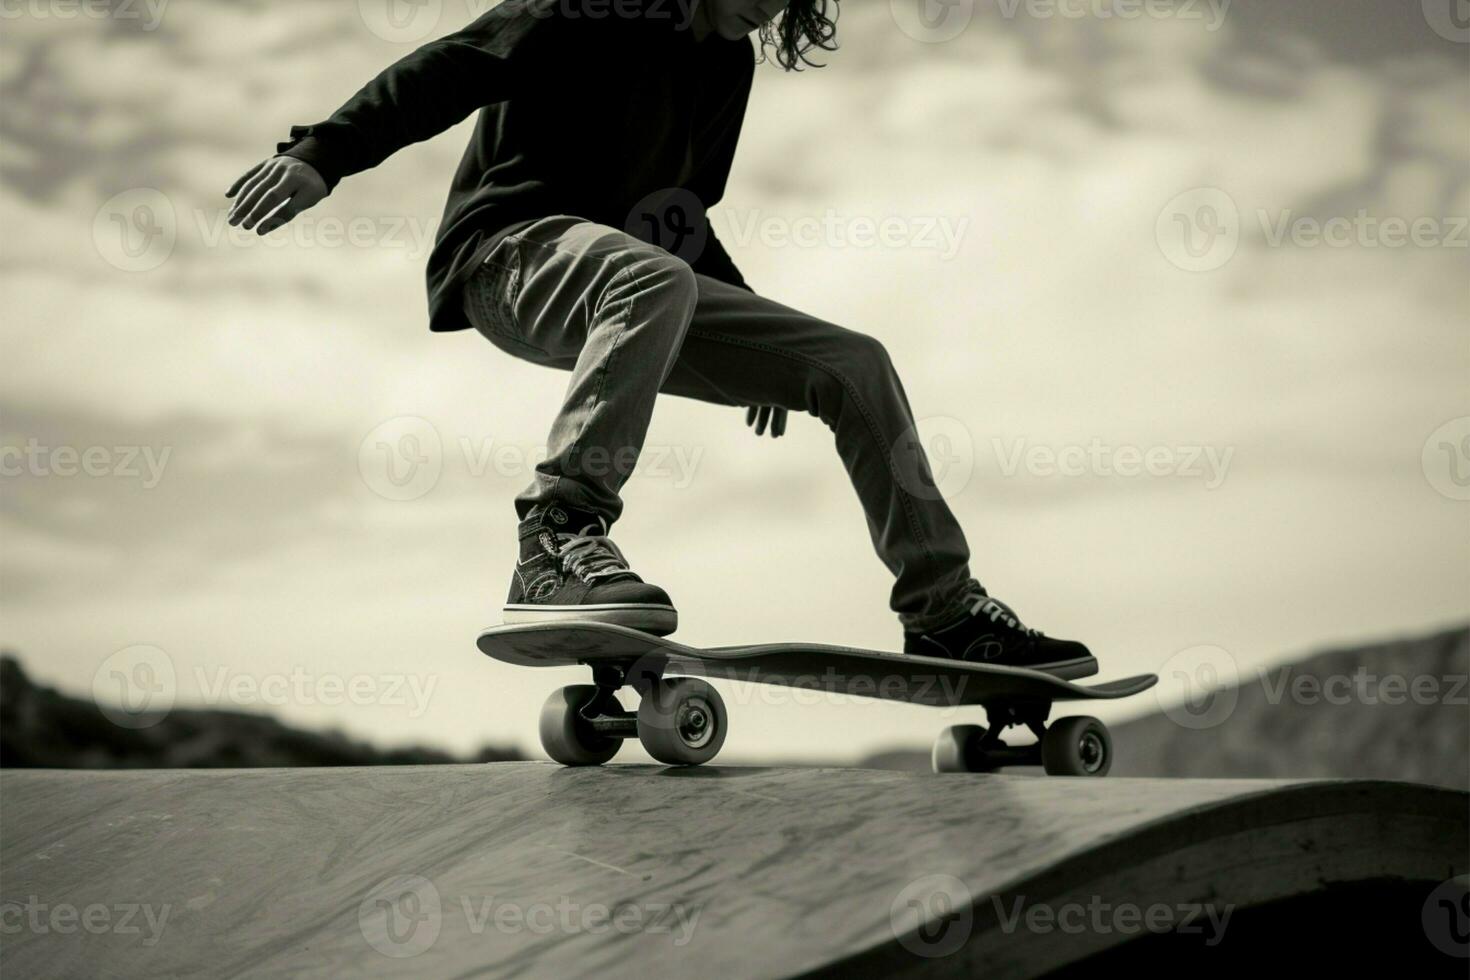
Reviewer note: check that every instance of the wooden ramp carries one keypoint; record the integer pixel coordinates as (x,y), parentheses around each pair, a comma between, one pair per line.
(529,869)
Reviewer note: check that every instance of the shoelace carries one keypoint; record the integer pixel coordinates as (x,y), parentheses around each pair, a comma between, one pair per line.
(590,556)
(998,612)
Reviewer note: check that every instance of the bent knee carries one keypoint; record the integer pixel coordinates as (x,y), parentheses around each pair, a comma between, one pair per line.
(650,271)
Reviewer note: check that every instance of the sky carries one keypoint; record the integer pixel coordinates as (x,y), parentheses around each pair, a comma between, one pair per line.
(1178,292)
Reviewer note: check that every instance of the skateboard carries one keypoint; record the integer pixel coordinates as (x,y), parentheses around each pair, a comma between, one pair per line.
(681,719)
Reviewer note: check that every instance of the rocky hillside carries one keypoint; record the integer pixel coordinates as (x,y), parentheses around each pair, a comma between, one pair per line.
(41,727)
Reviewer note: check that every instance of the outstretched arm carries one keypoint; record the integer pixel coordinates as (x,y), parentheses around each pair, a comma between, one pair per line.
(418,97)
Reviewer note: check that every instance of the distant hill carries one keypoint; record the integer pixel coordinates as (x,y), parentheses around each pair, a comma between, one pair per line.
(41,727)
(1273,734)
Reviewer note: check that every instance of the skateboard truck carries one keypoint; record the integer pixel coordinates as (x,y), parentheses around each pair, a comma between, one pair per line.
(603,714)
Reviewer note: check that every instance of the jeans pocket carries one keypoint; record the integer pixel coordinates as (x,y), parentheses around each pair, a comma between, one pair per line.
(490,294)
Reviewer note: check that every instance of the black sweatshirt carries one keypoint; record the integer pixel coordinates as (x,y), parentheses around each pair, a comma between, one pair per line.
(579,115)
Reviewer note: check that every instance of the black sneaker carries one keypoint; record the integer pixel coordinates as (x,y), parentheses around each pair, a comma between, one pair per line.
(568,569)
(990,633)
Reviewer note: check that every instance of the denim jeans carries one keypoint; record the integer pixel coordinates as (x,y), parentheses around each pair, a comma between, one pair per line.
(629,320)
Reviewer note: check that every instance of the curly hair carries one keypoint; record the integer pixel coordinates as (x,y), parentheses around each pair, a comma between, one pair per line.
(804,25)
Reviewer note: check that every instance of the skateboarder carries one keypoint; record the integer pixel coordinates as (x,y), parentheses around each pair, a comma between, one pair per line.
(602,127)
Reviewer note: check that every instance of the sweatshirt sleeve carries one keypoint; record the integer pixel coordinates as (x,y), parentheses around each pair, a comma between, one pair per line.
(422,95)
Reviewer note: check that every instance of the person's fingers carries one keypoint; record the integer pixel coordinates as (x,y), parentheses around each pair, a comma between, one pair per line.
(778,423)
(241,180)
(280,216)
(250,190)
(750,415)
(245,203)
(266,202)
(762,420)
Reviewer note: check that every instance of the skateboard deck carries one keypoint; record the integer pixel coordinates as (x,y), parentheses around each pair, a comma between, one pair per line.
(812,666)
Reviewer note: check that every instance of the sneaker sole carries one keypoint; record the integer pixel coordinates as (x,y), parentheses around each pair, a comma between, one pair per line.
(1067,670)
(648,617)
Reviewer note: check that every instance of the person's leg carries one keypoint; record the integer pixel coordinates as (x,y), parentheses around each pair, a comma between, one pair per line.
(742,349)
(613,311)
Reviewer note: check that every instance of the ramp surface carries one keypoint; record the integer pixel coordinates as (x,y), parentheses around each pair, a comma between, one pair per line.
(523,869)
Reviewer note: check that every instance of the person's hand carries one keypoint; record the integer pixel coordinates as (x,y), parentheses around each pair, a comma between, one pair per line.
(759,418)
(273,192)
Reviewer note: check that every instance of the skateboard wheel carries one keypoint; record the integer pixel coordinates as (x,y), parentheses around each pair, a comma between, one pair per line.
(1077,746)
(682,721)
(954,749)
(564,733)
